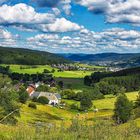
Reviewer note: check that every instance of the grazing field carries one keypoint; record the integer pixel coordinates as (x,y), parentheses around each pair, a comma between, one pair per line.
(40,68)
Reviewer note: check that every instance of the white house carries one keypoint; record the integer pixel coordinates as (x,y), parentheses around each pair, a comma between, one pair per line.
(54,98)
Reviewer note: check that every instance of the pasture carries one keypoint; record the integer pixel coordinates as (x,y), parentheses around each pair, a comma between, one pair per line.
(40,68)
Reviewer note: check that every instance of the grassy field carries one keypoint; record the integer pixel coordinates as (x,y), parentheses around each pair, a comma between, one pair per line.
(40,69)
(56,115)
(67,124)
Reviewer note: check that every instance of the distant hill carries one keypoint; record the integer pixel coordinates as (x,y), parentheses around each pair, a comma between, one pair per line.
(107,59)
(29,57)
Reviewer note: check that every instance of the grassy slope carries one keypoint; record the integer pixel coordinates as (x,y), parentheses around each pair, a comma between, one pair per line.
(51,114)
(60,117)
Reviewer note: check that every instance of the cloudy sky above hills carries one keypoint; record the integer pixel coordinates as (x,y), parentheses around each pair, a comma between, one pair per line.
(73,26)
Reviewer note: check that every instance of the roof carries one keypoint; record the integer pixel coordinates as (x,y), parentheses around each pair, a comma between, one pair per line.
(30,90)
(58,96)
(50,96)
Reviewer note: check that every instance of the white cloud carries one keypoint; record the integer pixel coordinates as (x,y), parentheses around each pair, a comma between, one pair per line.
(60,25)
(85,41)
(23,14)
(124,11)
(7,39)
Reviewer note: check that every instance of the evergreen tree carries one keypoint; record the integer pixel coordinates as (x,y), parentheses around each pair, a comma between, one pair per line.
(123,108)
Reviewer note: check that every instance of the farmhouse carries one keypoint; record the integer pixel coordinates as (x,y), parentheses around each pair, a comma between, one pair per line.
(54,98)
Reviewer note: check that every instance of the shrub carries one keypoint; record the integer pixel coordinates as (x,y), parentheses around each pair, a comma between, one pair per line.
(43,88)
(34,99)
(74,106)
(32,105)
(43,100)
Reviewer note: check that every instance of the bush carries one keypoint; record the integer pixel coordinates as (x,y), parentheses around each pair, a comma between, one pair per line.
(34,99)
(43,100)
(32,105)
(43,88)
(74,106)
(68,94)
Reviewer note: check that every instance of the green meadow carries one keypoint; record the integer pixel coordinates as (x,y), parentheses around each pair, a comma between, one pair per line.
(40,68)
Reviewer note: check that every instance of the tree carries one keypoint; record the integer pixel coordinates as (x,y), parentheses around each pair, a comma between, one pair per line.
(23,97)
(137,103)
(43,88)
(87,80)
(85,103)
(137,107)
(123,108)
(8,101)
(68,94)
(61,84)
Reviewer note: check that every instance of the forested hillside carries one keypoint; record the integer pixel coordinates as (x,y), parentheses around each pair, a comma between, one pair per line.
(128,79)
(28,57)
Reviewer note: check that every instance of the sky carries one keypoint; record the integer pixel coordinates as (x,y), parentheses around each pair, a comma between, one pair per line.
(71,26)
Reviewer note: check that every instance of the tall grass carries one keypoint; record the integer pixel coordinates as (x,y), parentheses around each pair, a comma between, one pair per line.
(78,130)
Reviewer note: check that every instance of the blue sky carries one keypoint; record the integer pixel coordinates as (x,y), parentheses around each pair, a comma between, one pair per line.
(71,26)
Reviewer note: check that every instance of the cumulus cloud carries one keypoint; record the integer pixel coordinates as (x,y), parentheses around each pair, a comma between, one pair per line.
(124,11)
(7,39)
(85,41)
(23,14)
(60,25)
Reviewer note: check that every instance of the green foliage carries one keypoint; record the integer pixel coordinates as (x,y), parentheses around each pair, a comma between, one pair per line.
(85,103)
(123,109)
(74,106)
(23,95)
(87,80)
(109,88)
(128,78)
(137,107)
(43,100)
(28,57)
(43,88)
(137,103)
(8,101)
(32,105)
(61,84)
(68,94)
